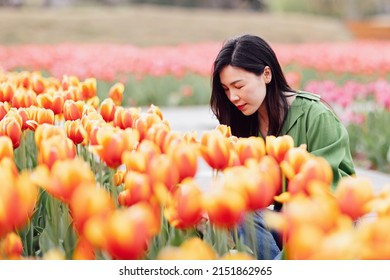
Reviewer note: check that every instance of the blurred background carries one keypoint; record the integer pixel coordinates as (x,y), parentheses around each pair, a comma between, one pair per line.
(150,22)
(162,51)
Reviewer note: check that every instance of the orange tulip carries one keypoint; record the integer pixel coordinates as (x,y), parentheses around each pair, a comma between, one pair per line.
(126,117)
(251,147)
(277,147)
(18,196)
(73,110)
(137,188)
(353,194)
(4,108)
(7,92)
(162,169)
(10,127)
(53,101)
(68,81)
(186,158)
(76,132)
(129,231)
(45,131)
(155,110)
(83,250)
(293,161)
(116,93)
(119,177)
(6,147)
(134,161)
(11,247)
(24,99)
(64,177)
(185,208)
(55,148)
(89,201)
(314,169)
(191,249)
(158,133)
(215,150)
(225,206)
(374,239)
(231,256)
(112,143)
(38,84)
(144,122)
(107,109)
(88,88)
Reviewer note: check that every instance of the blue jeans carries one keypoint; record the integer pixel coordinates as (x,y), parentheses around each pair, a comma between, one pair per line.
(254,233)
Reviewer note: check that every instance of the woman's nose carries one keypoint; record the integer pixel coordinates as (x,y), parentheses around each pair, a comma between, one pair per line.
(233,96)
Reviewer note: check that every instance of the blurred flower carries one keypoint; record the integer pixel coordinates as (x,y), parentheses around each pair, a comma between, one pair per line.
(215,150)
(107,109)
(277,147)
(116,93)
(73,110)
(11,247)
(250,147)
(353,194)
(54,149)
(185,209)
(191,249)
(6,148)
(137,188)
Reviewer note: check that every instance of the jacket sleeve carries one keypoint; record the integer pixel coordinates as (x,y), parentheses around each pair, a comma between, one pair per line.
(328,138)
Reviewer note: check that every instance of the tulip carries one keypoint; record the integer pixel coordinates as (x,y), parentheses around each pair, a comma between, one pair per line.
(224,206)
(73,110)
(314,169)
(38,84)
(191,249)
(116,93)
(215,150)
(11,247)
(146,121)
(53,101)
(11,127)
(374,240)
(4,108)
(83,250)
(185,208)
(107,109)
(7,92)
(6,147)
(129,231)
(137,188)
(24,99)
(353,194)
(293,161)
(251,147)
(68,81)
(119,177)
(277,147)
(88,201)
(134,161)
(88,88)
(186,158)
(46,131)
(76,132)
(55,148)
(162,169)
(126,117)
(64,177)
(112,143)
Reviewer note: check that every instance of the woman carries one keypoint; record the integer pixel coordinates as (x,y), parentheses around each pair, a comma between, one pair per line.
(251,95)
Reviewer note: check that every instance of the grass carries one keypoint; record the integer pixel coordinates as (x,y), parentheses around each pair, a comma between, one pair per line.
(143,25)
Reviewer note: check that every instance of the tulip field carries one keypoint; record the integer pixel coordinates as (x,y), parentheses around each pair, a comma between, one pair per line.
(89,171)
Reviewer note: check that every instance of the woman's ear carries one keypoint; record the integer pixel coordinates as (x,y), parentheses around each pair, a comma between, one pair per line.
(267,73)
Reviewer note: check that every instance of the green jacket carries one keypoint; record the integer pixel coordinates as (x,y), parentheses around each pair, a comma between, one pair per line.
(310,122)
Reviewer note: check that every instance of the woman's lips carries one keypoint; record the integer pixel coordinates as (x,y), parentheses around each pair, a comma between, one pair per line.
(240,107)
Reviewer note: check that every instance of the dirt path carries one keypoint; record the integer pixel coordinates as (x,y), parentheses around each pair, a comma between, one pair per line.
(150,25)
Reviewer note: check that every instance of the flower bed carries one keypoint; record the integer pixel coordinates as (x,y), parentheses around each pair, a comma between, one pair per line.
(85,178)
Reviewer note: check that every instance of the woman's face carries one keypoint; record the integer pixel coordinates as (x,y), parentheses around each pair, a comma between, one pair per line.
(245,89)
